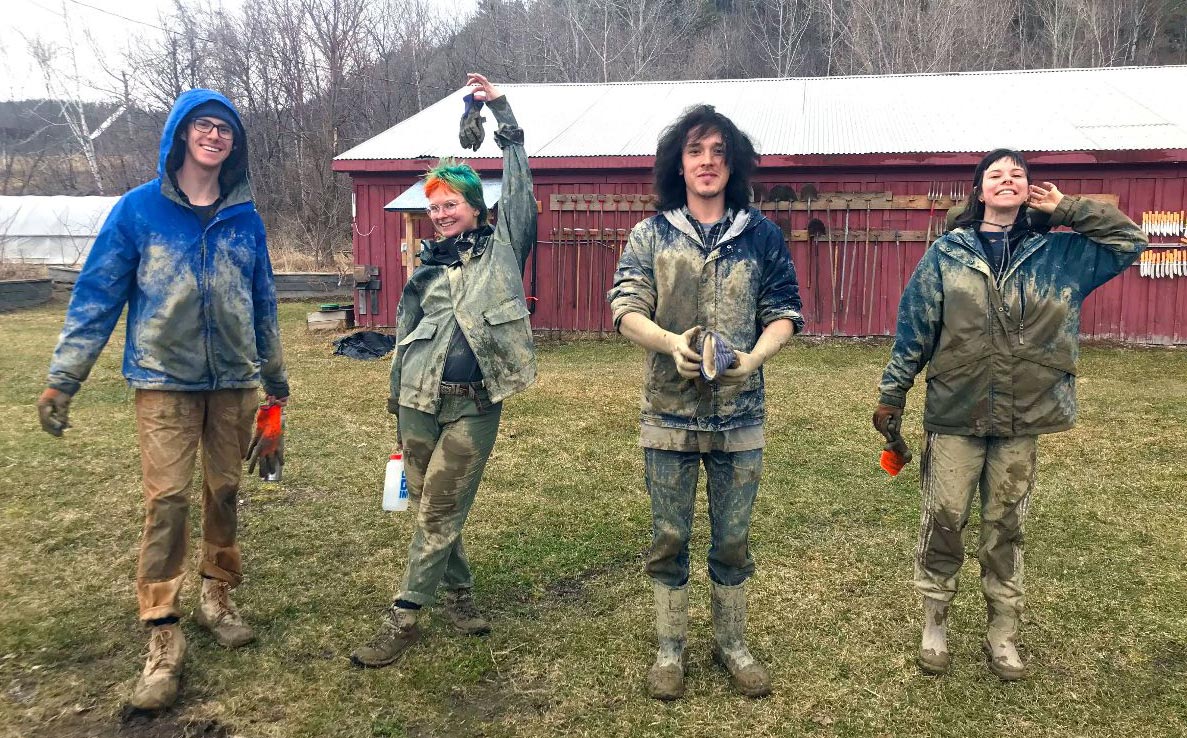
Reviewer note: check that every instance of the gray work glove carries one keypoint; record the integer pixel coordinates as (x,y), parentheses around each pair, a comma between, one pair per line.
(53,407)
(471,133)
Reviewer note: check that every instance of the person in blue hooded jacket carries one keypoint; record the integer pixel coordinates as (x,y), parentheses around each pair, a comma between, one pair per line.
(186,253)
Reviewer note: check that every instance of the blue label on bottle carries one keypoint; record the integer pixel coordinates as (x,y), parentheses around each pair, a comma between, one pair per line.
(403,486)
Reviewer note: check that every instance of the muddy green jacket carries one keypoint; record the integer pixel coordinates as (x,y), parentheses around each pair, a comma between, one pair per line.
(745,283)
(1001,358)
(482,296)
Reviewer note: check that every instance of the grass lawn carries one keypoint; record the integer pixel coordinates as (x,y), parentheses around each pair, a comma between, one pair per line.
(556,541)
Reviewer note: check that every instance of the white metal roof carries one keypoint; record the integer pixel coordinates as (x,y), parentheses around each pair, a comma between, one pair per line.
(1038,110)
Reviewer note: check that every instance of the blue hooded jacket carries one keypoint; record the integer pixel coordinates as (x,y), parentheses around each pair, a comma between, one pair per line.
(201,299)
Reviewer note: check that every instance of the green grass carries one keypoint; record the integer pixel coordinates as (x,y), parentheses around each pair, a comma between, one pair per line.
(556,541)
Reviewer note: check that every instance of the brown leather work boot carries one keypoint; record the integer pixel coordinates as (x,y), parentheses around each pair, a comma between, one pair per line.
(159,682)
(396,634)
(463,613)
(219,615)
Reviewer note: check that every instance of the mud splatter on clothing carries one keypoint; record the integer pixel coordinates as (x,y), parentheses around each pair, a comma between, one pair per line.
(1001,357)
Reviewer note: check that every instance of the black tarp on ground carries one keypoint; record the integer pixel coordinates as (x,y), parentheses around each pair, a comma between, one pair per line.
(364,345)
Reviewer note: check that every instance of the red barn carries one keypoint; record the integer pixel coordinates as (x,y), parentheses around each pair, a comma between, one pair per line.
(886,156)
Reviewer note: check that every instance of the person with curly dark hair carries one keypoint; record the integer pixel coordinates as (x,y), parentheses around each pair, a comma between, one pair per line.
(707,286)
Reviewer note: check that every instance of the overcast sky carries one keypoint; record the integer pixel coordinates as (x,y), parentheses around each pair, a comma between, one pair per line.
(97,30)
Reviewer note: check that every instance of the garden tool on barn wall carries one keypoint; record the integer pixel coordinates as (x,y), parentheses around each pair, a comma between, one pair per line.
(844,259)
(807,194)
(783,194)
(816,229)
(832,260)
(757,193)
(470,133)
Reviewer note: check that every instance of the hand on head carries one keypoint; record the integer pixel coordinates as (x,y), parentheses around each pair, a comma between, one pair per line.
(1044,198)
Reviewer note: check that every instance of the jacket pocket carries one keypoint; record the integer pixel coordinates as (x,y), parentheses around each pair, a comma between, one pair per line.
(958,396)
(424,330)
(1044,395)
(505,312)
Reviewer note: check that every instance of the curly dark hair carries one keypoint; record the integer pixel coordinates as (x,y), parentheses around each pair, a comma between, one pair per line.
(696,123)
(974,211)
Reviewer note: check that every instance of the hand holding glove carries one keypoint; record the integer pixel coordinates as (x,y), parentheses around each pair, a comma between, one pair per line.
(267,442)
(888,421)
(471,133)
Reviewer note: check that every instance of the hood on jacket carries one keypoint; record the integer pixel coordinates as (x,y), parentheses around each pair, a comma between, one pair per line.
(172,150)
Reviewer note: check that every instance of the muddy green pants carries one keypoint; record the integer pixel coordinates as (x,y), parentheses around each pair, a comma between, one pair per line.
(953,469)
(444,456)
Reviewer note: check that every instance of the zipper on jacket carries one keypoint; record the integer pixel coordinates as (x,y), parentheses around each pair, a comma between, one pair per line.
(206,307)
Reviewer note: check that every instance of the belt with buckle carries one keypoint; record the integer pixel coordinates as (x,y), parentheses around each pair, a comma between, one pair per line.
(460,389)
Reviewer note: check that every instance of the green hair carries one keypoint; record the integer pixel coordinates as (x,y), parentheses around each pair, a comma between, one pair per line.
(461,178)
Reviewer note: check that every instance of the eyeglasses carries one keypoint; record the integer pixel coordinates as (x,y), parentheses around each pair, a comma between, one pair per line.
(201,125)
(445,208)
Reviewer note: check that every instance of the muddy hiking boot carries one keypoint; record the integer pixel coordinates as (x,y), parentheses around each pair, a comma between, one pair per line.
(159,682)
(396,634)
(1001,643)
(665,680)
(749,677)
(463,613)
(933,646)
(218,614)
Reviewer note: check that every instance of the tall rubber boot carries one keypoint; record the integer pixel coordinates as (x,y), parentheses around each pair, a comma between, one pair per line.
(729,630)
(1001,642)
(665,681)
(933,646)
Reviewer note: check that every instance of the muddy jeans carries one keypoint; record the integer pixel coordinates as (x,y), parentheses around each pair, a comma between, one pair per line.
(953,468)
(444,456)
(171,427)
(732,485)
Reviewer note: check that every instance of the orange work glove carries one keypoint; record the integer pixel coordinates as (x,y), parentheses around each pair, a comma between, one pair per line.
(267,442)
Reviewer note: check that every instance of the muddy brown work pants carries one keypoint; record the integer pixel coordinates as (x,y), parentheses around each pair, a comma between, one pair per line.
(953,469)
(172,426)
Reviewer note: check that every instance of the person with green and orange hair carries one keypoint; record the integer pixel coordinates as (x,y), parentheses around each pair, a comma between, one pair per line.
(464,344)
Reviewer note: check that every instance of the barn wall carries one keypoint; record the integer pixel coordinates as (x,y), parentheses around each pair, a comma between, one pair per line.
(574,266)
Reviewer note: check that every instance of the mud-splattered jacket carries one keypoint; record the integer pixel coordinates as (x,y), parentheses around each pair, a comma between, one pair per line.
(482,296)
(201,299)
(1002,357)
(738,288)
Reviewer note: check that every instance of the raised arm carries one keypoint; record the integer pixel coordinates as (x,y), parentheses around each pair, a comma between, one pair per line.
(517,204)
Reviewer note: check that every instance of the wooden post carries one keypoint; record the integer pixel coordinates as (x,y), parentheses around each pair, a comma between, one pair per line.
(410,253)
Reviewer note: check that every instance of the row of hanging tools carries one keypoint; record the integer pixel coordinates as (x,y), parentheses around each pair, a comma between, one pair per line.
(1163,222)
(1163,263)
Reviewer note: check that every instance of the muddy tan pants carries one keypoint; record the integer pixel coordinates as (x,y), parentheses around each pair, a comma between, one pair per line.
(953,469)
(172,426)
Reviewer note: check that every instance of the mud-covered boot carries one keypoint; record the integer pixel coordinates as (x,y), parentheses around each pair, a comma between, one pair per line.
(218,614)
(396,634)
(1001,643)
(729,630)
(933,646)
(665,680)
(159,682)
(463,613)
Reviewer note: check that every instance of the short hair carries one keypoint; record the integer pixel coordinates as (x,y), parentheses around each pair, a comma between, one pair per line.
(696,123)
(974,210)
(460,177)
